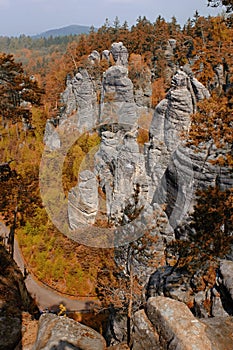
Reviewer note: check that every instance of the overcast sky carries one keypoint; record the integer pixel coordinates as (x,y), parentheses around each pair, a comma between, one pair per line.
(35,16)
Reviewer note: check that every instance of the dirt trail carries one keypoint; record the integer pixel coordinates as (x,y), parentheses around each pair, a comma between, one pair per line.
(45,296)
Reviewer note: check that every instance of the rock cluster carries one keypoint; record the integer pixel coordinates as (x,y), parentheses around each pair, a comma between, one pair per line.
(169,324)
(148,193)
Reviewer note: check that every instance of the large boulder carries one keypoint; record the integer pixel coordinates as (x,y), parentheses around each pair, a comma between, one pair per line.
(219,331)
(226,276)
(59,332)
(145,335)
(169,324)
(178,329)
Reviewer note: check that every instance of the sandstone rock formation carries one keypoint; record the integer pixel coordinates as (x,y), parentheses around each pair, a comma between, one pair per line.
(83,201)
(79,100)
(80,96)
(145,335)
(117,104)
(121,169)
(148,197)
(171,122)
(176,326)
(177,171)
(169,54)
(51,136)
(120,54)
(106,55)
(208,290)
(169,324)
(94,56)
(164,323)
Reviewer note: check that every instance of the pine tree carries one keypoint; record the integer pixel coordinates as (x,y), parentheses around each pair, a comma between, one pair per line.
(16,90)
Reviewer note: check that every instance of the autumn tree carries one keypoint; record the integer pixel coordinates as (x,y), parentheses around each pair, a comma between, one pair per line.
(211,226)
(16,90)
(18,189)
(212,128)
(118,290)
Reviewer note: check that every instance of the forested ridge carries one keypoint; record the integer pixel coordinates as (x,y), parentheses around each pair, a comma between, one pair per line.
(31,82)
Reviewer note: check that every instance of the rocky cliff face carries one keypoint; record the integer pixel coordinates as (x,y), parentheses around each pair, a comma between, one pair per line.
(149,193)
(171,122)
(134,181)
(163,324)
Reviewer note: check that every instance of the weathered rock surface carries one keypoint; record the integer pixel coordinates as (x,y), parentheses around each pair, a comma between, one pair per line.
(116,332)
(118,105)
(130,181)
(57,332)
(153,233)
(164,324)
(171,119)
(172,115)
(51,136)
(176,170)
(223,301)
(169,324)
(176,325)
(169,55)
(10,332)
(79,100)
(226,275)
(144,334)
(117,97)
(207,290)
(120,54)
(106,55)
(196,289)
(171,282)
(94,56)
(80,96)
(219,331)
(122,346)
(83,200)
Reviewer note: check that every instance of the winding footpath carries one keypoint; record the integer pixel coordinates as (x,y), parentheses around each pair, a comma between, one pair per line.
(46,298)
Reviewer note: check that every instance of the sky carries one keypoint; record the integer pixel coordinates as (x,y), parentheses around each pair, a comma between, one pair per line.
(36,16)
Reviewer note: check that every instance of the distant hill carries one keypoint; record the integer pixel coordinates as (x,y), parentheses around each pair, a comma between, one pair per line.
(68,30)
